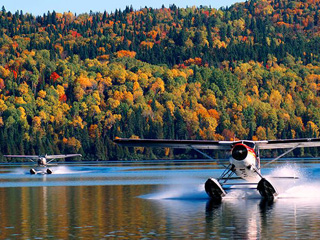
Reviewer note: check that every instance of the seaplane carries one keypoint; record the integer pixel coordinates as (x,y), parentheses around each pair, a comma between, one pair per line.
(42,161)
(244,160)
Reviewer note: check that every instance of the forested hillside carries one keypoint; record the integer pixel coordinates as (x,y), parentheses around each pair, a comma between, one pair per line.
(73,83)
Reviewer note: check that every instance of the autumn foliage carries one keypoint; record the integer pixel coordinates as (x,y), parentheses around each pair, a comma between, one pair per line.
(73,83)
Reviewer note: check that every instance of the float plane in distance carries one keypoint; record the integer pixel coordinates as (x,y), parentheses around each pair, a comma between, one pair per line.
(42,161)
(244,160)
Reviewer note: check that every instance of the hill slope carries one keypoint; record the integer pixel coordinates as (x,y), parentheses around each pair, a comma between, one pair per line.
(73,83)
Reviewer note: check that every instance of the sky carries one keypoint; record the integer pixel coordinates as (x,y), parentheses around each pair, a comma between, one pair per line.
(38,7)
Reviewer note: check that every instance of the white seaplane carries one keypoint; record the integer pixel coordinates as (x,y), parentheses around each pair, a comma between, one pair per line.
(42,161)
(244,160)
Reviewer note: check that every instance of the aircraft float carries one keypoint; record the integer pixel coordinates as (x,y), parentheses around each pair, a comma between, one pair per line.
(42,161)
(244,160)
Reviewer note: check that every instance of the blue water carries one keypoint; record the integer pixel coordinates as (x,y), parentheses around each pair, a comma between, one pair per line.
(154,200)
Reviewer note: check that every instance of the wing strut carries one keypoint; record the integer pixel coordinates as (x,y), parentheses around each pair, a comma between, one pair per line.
(51,160)
(206,155)
(283,154)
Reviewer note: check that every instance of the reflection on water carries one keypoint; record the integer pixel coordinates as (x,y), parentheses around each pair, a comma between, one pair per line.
(66,212)
(158,202)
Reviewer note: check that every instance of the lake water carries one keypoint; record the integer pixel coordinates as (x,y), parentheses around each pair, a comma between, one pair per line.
(154,200)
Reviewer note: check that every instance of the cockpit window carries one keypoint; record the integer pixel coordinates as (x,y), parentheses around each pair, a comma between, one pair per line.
(249,144)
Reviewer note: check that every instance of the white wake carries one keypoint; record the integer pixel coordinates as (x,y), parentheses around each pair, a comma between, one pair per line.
(301,186)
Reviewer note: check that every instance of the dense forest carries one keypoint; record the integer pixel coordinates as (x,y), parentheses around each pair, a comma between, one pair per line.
(73,83)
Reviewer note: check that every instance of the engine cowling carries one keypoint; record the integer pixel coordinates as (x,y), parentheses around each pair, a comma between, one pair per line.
(239,152)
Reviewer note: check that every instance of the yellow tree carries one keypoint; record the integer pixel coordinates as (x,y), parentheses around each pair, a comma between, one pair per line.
(275,99)
(313,129)
(261,133)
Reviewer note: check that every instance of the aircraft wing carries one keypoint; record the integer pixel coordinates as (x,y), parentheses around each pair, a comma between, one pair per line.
(288,143)
(23,156)
(218,145)
(62,156)
(197,144)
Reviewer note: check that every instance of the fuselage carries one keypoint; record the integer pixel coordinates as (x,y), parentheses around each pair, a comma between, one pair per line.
(42,162)
(245,162)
